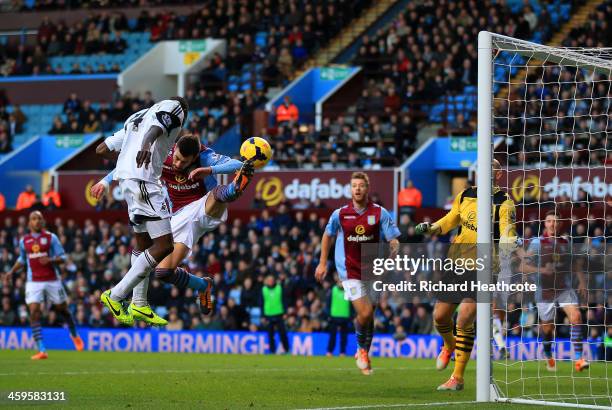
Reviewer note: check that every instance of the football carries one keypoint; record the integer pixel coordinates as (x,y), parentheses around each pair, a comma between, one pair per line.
(256,149)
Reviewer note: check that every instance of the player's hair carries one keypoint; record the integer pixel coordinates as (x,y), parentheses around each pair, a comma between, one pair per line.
(552,213)
(183,103)
(188,145)
(361,175)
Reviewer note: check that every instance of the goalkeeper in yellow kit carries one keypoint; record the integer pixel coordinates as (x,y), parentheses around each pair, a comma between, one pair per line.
(463,216)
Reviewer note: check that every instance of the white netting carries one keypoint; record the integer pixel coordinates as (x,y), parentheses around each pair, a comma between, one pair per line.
(551,123)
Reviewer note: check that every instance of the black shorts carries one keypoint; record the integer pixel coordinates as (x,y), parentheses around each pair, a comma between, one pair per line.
(457,288)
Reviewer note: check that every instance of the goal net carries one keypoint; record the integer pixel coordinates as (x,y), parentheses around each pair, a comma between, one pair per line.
(544,114)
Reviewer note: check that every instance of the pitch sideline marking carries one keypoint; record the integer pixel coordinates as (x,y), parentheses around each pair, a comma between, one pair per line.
(144,371)
(378,406)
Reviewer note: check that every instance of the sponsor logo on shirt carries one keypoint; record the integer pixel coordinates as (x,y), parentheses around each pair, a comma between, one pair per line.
(359,229)
(360,238)
(184,187)
(36,255)
(166,120)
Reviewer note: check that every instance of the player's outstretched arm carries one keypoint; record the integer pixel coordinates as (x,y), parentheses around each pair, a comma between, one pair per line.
(331,230)
(8,275)
(143,157)
(105,152)
(102,186)
(321,270)
(110,147)
(445,224)
(19,263)
(212,163)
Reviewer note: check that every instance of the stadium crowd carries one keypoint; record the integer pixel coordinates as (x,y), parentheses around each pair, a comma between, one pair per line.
(11,123)
(239,255)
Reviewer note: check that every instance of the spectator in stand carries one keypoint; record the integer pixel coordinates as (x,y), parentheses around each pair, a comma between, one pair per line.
(58,126)
(51,199)
(287,113)
(26,199)
(72,105)
(409,198)
(91,124)
(7,314)
(5,139)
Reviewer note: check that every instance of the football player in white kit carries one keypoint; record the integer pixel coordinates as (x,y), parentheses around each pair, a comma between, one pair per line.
(199,205)
(148,136)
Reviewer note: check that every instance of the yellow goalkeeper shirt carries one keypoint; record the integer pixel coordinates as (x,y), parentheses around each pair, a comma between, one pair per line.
(463,215)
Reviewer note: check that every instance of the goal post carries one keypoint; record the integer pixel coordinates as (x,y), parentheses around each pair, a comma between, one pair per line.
(483,234)
(544,113)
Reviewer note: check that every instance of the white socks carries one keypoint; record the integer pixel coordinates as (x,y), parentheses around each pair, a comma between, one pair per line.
(139,294)
(498,336)
(141,267)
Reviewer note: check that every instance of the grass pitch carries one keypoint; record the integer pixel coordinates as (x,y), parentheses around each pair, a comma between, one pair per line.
(169,380)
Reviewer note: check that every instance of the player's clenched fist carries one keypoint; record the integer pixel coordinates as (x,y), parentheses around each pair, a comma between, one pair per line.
(200,173)
(321,272)
(98,190)
(423,227)
(143,157)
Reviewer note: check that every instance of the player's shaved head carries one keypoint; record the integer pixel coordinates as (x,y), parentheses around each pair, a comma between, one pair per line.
(36,221)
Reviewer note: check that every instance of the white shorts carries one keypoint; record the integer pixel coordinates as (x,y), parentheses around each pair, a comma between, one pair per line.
(190,223)
(546,309)
(356,289)
(53,291)
(148,207)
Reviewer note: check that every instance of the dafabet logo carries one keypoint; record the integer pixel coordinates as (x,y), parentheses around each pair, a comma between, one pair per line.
(273,191)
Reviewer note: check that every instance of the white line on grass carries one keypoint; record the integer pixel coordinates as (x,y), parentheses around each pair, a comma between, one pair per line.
(227,370)
(388,406)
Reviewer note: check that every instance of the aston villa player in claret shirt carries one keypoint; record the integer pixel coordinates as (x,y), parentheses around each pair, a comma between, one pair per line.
(199,205)
(40,251)
(359,222)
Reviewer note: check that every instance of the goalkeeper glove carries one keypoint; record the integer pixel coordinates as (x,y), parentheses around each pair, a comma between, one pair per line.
(423,227)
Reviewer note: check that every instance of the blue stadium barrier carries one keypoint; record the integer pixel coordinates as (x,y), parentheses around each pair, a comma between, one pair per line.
(306,344)
(308,89)
(26,164)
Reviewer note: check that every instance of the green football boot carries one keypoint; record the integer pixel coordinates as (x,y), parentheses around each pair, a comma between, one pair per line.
(146,314)
(117,309)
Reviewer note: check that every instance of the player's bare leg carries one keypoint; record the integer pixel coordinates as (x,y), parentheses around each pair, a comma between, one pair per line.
(443,322)
(547,329)
(62,310)
(463,345)
(576,336)
(364,329)
(214,208)
(35,315)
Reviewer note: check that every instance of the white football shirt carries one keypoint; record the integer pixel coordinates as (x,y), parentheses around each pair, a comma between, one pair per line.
(167,115)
